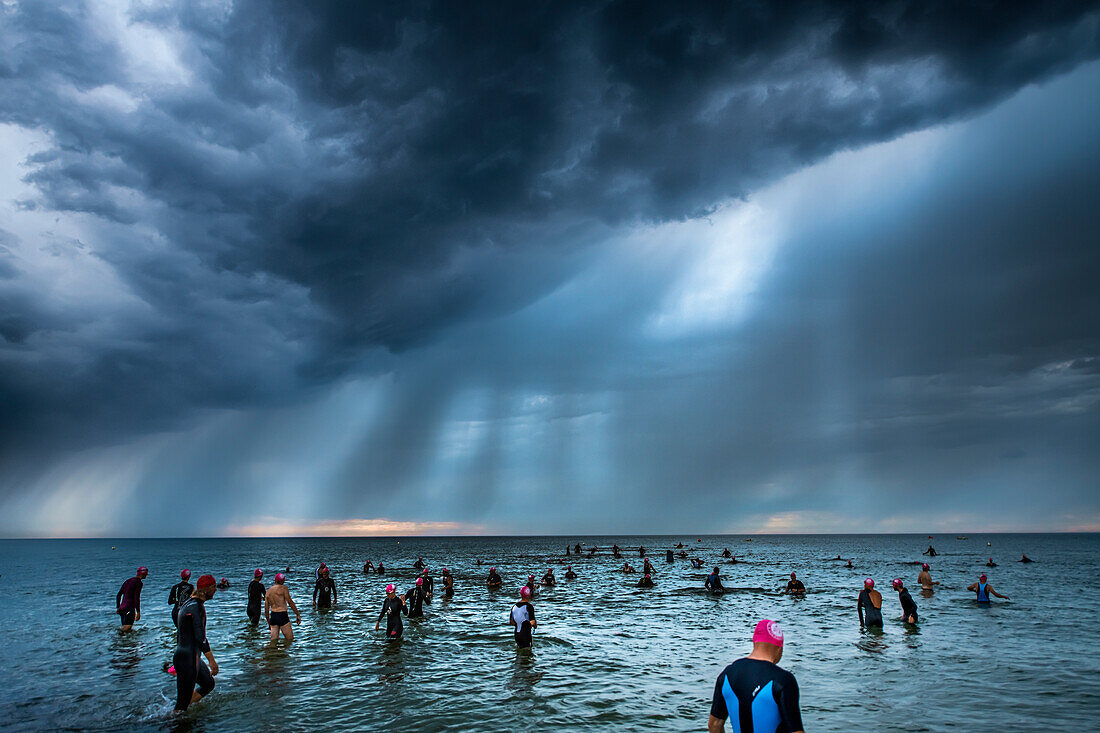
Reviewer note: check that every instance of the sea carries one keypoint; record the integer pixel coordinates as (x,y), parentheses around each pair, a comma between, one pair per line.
(606,656)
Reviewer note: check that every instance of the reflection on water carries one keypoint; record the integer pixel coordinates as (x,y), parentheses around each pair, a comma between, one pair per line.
(602,648)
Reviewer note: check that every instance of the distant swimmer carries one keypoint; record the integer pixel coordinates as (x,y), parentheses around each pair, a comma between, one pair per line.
(616,551)
(128,599)
(223,584)
(726,553)
(592,550)
(849,564)
(569,574)
(641,551)
(414,599)
(984,590)
(567,551)
(931,551)
(548,578)
(628,568)
(869,605)
(795,586)
(392,608)
(646,581)
(419,564)
(381,568)
(190,642)
(368,566)
(682,553)
(924,577)
(494,580)
(256,591)
(756,691)
(448,584)
(696,563)
(908,605)
(522,618)
(276,603)
(577,548)
(713,583)
(991,564)
(324,591)
(179,594)
(531,585)
(1025,558)
(647,567)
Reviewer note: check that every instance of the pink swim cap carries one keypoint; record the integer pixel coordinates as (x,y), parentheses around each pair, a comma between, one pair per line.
(185,574)
(924,566)
(279,577)
(420,581)
(530,577)
(768,632)
(492,569)
(525,592)
(792,575)
(143,569)
(869,582)
(390,588)
(647,575)
(259,573)
(982,577)
(897,582)
(446,571)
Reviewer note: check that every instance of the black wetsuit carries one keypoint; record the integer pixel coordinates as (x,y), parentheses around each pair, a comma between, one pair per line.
(128,600)
(795,586)
(449,586)
(429,588)
(714,583)
(868,614)
(419,564)
(415,600)
(191,643)
(494,581)
(570,575)
(726,553)
(908,605)
(256,591)
(180,592)
(392,608)
(760,696)
(577,549)
(645,583)
(549,579)
(533,587)
(523,613)
(324,592)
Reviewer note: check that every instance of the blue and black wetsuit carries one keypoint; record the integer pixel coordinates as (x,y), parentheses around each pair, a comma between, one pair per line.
(983,594)
(256,592)
(180,592)
(523,613)
(714,583)
(757,696)
(191,643)
(869,615)
(392,608)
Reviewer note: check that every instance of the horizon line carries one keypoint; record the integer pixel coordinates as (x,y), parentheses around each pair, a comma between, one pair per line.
(950,535)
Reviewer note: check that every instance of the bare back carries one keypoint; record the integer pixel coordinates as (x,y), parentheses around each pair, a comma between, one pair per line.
(278,597)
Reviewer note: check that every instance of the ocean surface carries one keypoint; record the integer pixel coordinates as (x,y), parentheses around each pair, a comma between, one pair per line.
(607,655)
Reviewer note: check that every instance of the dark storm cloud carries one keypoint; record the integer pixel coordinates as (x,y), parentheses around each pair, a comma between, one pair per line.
(280,191)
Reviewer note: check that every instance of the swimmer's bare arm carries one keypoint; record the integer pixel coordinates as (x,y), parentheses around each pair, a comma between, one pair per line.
(995,593)
(267,606)
(972,587)
(290,602)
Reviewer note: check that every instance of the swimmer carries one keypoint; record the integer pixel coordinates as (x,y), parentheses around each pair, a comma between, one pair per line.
(648,567)
(984,590)
(179,594)
(548,578)
(696,563)
(276,601)
(682,553)
(522,618)
(849,564)
(628,568)
(795,586)
(762,695)
(419,564)
(641,551)
(679,545)
(128,599)
(991,564)
(429,585)
(1025,558)
(616,551)
(223,584)
(381,568)
(567,551)
(577,549)
(190,641)
(931,551)
(324,591)
(392,608)
(713,582)
(531,585)
(726,553)
(256,591)
(414,599)
(448,584)
(925,578)
(494,580)
(320,569)
(870,601)
(592,551)
(908,605)
(569,574)
(367,567)
(646,582)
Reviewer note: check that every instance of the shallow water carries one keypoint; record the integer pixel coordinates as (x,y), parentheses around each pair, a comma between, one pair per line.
(607,655)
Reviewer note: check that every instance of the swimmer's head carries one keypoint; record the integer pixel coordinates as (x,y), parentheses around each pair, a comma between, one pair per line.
(206,586)
(420,581)
(897,583)
(647,575)
(493,569)
(570,567)
(524,592)
(446,571)
(142,571)
(224,580)
(924,566)
(185,574)
(792,576)
(258,574)
(391,589)
(868,582)
(982,577)
(280,578)
(530,577)
(324,570)
(767,638)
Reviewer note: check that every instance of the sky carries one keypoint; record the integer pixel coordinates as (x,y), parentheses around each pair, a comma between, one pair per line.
(325,268)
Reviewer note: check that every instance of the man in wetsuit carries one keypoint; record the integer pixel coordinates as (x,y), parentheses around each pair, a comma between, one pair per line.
(256,592)
(381,568)
(414,599)
(448,584)
(324,591)
(392,608)
(869,603)
(419,564)
(1025,558)
(726,553)
(646,582)
(494,580)
(522,618)
(429,585)
(548,578)
(641,551)
(532,585)
(128,599)
(616,551)
(795,586)
(984,590)
(569,574)
(908,605)
(991,564)
(180,592)
(762,696)
(191,641)
(714,582)
(925,578)
(276,601)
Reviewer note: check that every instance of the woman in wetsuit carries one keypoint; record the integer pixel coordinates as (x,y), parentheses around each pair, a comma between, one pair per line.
(191,641)
(869,605)
(392,608)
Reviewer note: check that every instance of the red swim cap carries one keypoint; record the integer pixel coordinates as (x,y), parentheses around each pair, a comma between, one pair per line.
(924,566)
(185,574)
(390,588)
(259,573)
(279,577)
(143,570)
(525,592)
(869,582)
(206,581)
(897,582)
(420,581)
(982,577)
(324,570)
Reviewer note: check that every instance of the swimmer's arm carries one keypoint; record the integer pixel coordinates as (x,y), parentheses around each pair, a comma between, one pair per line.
(290,602)
(213,663)
(316,587)
(995,593)
(973,587)
(859,608)
(118,597)
(334,599)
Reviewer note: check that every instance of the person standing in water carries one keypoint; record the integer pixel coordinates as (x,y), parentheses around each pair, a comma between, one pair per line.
(924,577)
(414,600)
(908,605)
(795,586)
(429,585)
(128,599)
(256,591)
(984,590)
(494,580)
(367,567)
(191,641)
(646,581)
(392,608)
(419,564)
(713,582)
(569,574)
(531,585)
(548,578)
(869,605)
(276,601)
(762,695)
(931,551)
(448,584)
(522,618)
(179,594)
(324,591)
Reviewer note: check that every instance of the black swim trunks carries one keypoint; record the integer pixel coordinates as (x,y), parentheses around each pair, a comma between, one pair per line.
(279,618)
(127,617)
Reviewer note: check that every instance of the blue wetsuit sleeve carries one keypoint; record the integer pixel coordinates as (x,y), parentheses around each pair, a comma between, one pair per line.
(718,704)
(786,699)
